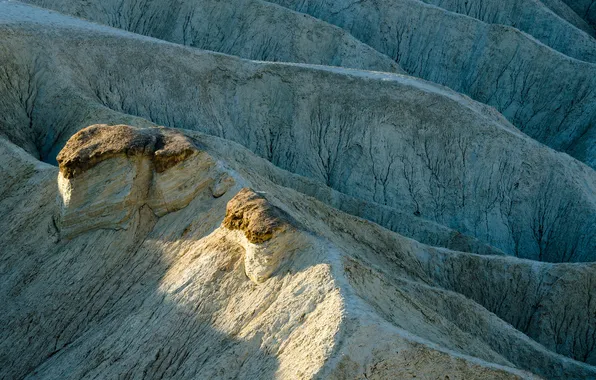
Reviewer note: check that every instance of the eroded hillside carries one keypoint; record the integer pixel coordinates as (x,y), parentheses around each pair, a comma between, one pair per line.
(182,213)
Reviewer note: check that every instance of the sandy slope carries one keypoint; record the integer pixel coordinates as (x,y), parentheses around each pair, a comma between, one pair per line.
(294,221)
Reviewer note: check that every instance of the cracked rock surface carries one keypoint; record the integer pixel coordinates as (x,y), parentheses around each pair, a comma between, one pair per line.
(251,29)
(544,93)
(280,211)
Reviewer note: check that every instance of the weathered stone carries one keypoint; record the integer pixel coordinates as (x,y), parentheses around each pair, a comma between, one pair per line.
(146,254)
(250,213)
(107,173)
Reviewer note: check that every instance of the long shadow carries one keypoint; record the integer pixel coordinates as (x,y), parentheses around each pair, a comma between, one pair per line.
(96,307)
(111,304)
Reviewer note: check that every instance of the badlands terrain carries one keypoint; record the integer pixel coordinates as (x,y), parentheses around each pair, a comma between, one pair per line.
(312,189)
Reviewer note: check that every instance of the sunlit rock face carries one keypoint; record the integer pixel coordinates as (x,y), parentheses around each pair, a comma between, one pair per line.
(298,207)
(269,235)
(108,172)
(416,157)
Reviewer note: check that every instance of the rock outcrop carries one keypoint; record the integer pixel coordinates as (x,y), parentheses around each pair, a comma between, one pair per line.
(303,289)
(488,56)
(90,146)
(255,217)
(270,234)
(171,212)
(108,173)
(419,148)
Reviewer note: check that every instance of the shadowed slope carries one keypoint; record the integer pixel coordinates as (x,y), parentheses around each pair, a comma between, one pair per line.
(584,8)
(544,93)
(564,11)
(194,250)
(549,98)
(173,294)
(251,29)
(532,17)
(436,154)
